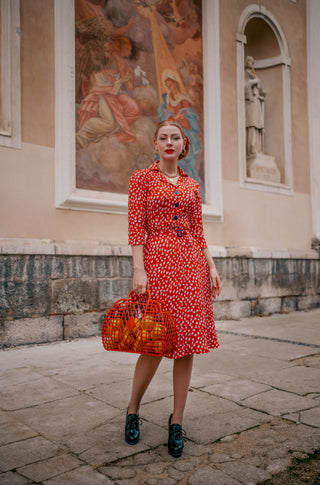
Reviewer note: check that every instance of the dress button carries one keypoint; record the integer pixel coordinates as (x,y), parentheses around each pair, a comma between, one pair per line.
(176,192)
(176,204)
(175,217)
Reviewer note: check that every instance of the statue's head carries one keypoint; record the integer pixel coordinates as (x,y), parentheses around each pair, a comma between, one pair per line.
(249,62)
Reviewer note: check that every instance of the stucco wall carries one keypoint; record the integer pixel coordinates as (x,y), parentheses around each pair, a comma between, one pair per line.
(251,218)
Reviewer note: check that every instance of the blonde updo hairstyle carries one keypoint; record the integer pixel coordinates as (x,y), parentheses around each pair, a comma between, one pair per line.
(185,149)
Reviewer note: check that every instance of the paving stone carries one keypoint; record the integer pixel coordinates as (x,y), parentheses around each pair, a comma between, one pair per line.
(33,393)
(234,364)
(175,474)
(109,445)
(218,458)
(118,472)
(298,379)
(16,455)
(12,430)
(131,481)
(276,402)
(195,449)
(83,475)
(211,476)
(311,417)
(297,326)
(184,466)
(269,348)
(236,389)
(45,469)
(11,478)
(279,465)
(200,379)
(243,472)
(155,468)
(69,416)
(153,481)
(83,375)
(143,458)
(16,376)
(116,394)
(223,424)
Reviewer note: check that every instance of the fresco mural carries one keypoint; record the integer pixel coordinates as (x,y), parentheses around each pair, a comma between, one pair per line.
(137,62)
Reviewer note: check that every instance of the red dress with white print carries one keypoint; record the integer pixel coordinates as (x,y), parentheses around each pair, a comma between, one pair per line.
(167,220)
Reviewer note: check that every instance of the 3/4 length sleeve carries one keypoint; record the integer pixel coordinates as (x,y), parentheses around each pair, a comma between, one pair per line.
(137,206)
(196,226)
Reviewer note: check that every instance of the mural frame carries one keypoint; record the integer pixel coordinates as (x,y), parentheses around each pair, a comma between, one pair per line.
(68,196)
(10,81)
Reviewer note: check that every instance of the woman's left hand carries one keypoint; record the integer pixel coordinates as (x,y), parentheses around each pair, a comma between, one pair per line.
(216,283)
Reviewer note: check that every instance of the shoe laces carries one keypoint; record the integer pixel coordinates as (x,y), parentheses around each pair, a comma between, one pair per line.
(177,432)
(134,421)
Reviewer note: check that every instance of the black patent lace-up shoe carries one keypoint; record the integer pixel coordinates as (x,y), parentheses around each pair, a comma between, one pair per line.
(176,439)
(132,431)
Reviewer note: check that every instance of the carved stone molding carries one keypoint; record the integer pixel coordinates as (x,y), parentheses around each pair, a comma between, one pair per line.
(10,83)
(283,60)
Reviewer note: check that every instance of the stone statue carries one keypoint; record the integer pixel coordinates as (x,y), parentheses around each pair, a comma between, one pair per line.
(254,98)
(260,166)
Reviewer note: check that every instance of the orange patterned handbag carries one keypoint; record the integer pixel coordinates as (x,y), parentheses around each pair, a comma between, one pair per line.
(141,327)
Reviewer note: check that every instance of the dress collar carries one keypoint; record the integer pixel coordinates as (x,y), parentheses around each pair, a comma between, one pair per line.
(154,167)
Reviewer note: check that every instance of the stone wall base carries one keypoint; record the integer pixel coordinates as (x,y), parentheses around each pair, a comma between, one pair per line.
(52,297)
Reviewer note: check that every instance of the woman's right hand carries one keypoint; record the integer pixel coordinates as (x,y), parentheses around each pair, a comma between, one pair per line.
(140,281)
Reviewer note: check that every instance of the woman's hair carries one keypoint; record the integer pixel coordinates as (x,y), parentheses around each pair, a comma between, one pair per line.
(185,150)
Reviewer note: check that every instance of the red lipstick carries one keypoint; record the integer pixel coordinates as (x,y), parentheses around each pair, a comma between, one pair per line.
(169,150)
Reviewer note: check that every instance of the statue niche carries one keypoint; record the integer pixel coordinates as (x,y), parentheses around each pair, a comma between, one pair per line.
(259,165)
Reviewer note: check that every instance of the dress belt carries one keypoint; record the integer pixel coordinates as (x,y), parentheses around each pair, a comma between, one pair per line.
(179,231)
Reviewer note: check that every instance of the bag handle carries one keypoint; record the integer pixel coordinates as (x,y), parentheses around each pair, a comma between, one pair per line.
(146,294)
(149,303)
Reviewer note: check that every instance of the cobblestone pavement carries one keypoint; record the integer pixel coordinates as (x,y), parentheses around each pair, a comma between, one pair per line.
(253,406)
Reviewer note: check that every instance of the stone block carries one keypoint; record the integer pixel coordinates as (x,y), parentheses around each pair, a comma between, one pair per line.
(103,267)
(311,417)
(83,325)
(21,453)
(105,294)
(43,470)
(83,474)
(34,393)
(211,476)
(308,302)
(231,310)
(11,478)
(266,306)
(244,472)
(126,267)
(288,304)
(73,296)
(32,330)
(24,299)
(276,402)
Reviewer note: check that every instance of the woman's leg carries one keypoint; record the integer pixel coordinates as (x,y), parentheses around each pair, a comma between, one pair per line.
(145,370)
(182,369)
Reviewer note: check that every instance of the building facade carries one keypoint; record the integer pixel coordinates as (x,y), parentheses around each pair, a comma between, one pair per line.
(64,256)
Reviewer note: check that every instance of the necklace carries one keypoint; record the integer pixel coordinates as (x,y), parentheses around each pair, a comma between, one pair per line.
(169,176)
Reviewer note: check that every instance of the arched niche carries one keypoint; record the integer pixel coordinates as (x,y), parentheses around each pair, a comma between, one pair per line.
(260,36)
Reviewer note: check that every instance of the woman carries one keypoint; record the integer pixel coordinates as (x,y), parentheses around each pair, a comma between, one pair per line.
(173,262)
